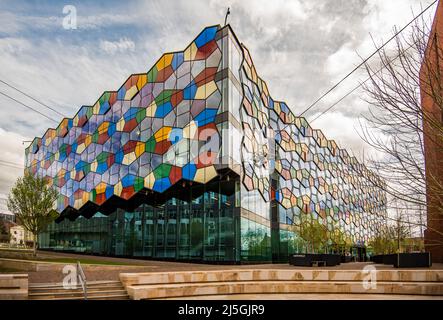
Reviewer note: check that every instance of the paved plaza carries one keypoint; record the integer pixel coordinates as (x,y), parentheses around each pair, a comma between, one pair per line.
(111,272)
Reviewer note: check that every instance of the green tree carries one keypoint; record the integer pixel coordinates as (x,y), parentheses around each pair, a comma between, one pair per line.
(313,232)
(338,239)
(384,242)
(32,201)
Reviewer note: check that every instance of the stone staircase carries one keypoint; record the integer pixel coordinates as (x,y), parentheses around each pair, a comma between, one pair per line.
(96,290)
(13,286)
(187,284)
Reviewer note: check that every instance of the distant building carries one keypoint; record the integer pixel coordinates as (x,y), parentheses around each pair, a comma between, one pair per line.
(433,66)
(5,226)
(20,236)
(17,235)
(8,216)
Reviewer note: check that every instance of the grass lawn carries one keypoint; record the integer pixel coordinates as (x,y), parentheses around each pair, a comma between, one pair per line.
(9,270)
(82,261)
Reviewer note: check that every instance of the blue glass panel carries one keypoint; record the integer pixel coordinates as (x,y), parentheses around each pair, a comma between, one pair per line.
(188,171)
(162,184)
(207,35)
(177,60)
(163,110)
(190,91)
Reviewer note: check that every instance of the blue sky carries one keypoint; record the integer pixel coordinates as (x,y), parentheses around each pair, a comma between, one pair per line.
(301,48)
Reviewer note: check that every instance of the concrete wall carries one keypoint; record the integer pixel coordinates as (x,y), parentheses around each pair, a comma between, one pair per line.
(15,254)
(432,142)
(13,286)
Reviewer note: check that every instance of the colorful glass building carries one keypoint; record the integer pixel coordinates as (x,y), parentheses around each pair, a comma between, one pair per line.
(194,160)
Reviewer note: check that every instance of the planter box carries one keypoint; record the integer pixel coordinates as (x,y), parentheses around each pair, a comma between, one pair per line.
(331,259)
(413,260)
(389,258)
(306,260)
(301,260)
(378,258)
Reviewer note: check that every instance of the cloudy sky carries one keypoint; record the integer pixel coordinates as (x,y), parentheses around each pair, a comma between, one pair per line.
(300,47)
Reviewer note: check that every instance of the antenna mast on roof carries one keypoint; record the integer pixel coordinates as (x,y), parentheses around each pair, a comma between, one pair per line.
(227,14)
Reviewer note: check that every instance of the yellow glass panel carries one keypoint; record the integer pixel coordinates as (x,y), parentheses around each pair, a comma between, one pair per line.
(81,147)
(277,107)
(206,90)
(85,197)
(96,108)
(278,165)
(94,166)
(139,149)
(164,61)
(150,111)
(190,130)
(190,52)
(101,187)
(129,158)
(118,189)
(149,181)
(120,124)
(168,59)
(142,79)
(204,175)
(286,203)
(131,93)
(88,140)
(103,127)
(162,134)
(78,203)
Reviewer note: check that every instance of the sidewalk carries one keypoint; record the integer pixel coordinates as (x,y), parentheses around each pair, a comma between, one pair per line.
(111,272)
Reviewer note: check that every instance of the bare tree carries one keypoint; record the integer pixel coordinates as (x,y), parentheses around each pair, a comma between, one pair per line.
(400,129)
(401,229)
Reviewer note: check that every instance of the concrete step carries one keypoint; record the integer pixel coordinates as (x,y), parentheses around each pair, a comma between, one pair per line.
(157,291)
(78,288)
(96,290)
(89,284)
(75,293)
(280,275)
(99,297)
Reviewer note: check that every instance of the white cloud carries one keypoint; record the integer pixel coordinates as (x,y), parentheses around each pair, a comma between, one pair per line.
(345,131)
(300,48)
(345,56)
(90,22)
(122,45)
(12,158)
(13,46)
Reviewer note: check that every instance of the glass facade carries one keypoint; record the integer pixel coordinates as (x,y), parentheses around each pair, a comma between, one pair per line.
(194,160)
(203,229)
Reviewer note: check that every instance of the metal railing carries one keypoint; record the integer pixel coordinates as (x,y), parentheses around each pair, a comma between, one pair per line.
(82,279)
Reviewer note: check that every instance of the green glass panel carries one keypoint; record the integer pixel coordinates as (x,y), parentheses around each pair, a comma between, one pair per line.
(141,115)
(150,145)
(104,97)
(164,96)
(138,184)
(152,74)
(162,171)
(95,137)
(93,195)
(102,157)
(88,112)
